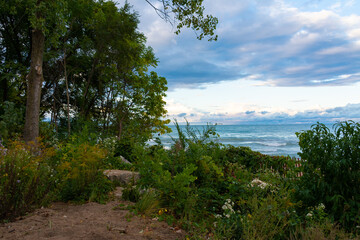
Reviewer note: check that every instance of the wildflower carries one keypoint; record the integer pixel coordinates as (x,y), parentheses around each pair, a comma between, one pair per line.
(257,182)
(321,206)
(162,211)
(309,215)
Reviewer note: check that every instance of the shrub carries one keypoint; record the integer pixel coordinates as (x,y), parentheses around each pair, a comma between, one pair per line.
(321,230)
(79,173)
(256,161)
(331,171)
(148,203)
(25,177)
(197,176)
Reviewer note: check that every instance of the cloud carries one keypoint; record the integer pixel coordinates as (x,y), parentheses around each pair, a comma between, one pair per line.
(306,44)
(182,115)
(249,112)
(325,115)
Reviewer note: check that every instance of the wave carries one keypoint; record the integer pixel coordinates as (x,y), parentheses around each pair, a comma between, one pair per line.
(273,140)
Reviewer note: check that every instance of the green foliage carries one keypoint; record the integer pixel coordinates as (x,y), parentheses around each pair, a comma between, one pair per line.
(78,174)
(148,203)
(189,14)
(331,171)
(14,48)
(117,152)
(322,230)
(205,183)
(131,193)
(84,131)
(95,62)
(277,213)
(48,134)
(11,119)
(25,178)
(255,161)
(47,16)
(228,192)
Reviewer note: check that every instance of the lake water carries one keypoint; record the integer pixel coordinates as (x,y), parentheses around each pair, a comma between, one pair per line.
(267,139)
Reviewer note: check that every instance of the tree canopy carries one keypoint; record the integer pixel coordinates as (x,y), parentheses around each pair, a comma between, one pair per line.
(85,60)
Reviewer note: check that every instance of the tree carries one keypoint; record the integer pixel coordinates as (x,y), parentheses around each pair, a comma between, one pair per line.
(46,18)
(107,64)
(74,35)
(14,54)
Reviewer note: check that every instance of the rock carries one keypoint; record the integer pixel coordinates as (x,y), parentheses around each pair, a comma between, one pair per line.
(124,160)
(118,192)
(120,230)
(122,176)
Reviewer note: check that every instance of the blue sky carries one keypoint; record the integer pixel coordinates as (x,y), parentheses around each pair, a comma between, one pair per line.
(293,61)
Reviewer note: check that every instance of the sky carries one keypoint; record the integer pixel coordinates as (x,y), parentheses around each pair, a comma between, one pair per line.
(275,62)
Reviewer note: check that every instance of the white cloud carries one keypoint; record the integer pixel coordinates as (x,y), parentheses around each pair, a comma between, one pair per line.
(159,34)
(336,6)
(270,43)
(298,69)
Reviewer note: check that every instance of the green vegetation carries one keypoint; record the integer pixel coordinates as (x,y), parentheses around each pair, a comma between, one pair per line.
(332,172)
(87,60)
(86,65)
(209,189)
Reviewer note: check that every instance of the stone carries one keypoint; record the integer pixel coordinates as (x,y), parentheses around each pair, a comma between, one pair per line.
(118,192)
(122,176)
(124,160)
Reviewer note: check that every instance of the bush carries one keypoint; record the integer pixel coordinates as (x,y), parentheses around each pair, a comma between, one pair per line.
(79,173)
(331,171)
(197,175)
(25,178)
(256,161)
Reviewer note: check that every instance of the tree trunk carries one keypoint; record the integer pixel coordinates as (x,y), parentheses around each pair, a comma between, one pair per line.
(34,79)
(67,95)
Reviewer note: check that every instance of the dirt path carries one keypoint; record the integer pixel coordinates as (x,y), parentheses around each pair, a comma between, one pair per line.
(88,221)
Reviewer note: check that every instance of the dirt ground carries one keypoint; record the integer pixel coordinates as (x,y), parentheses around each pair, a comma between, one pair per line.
(92,221)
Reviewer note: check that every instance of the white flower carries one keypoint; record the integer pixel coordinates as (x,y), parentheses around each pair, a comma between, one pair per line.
(309,215)
(257,182)
(321,206)
(228,208)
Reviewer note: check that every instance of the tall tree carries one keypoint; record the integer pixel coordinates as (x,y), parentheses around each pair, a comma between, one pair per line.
(47,19)
(94,52)
(14,51)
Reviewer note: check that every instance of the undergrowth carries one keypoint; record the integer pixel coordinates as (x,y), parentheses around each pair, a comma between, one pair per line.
(213,191)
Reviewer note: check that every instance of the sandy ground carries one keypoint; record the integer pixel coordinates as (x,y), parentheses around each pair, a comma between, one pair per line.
(93,221)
